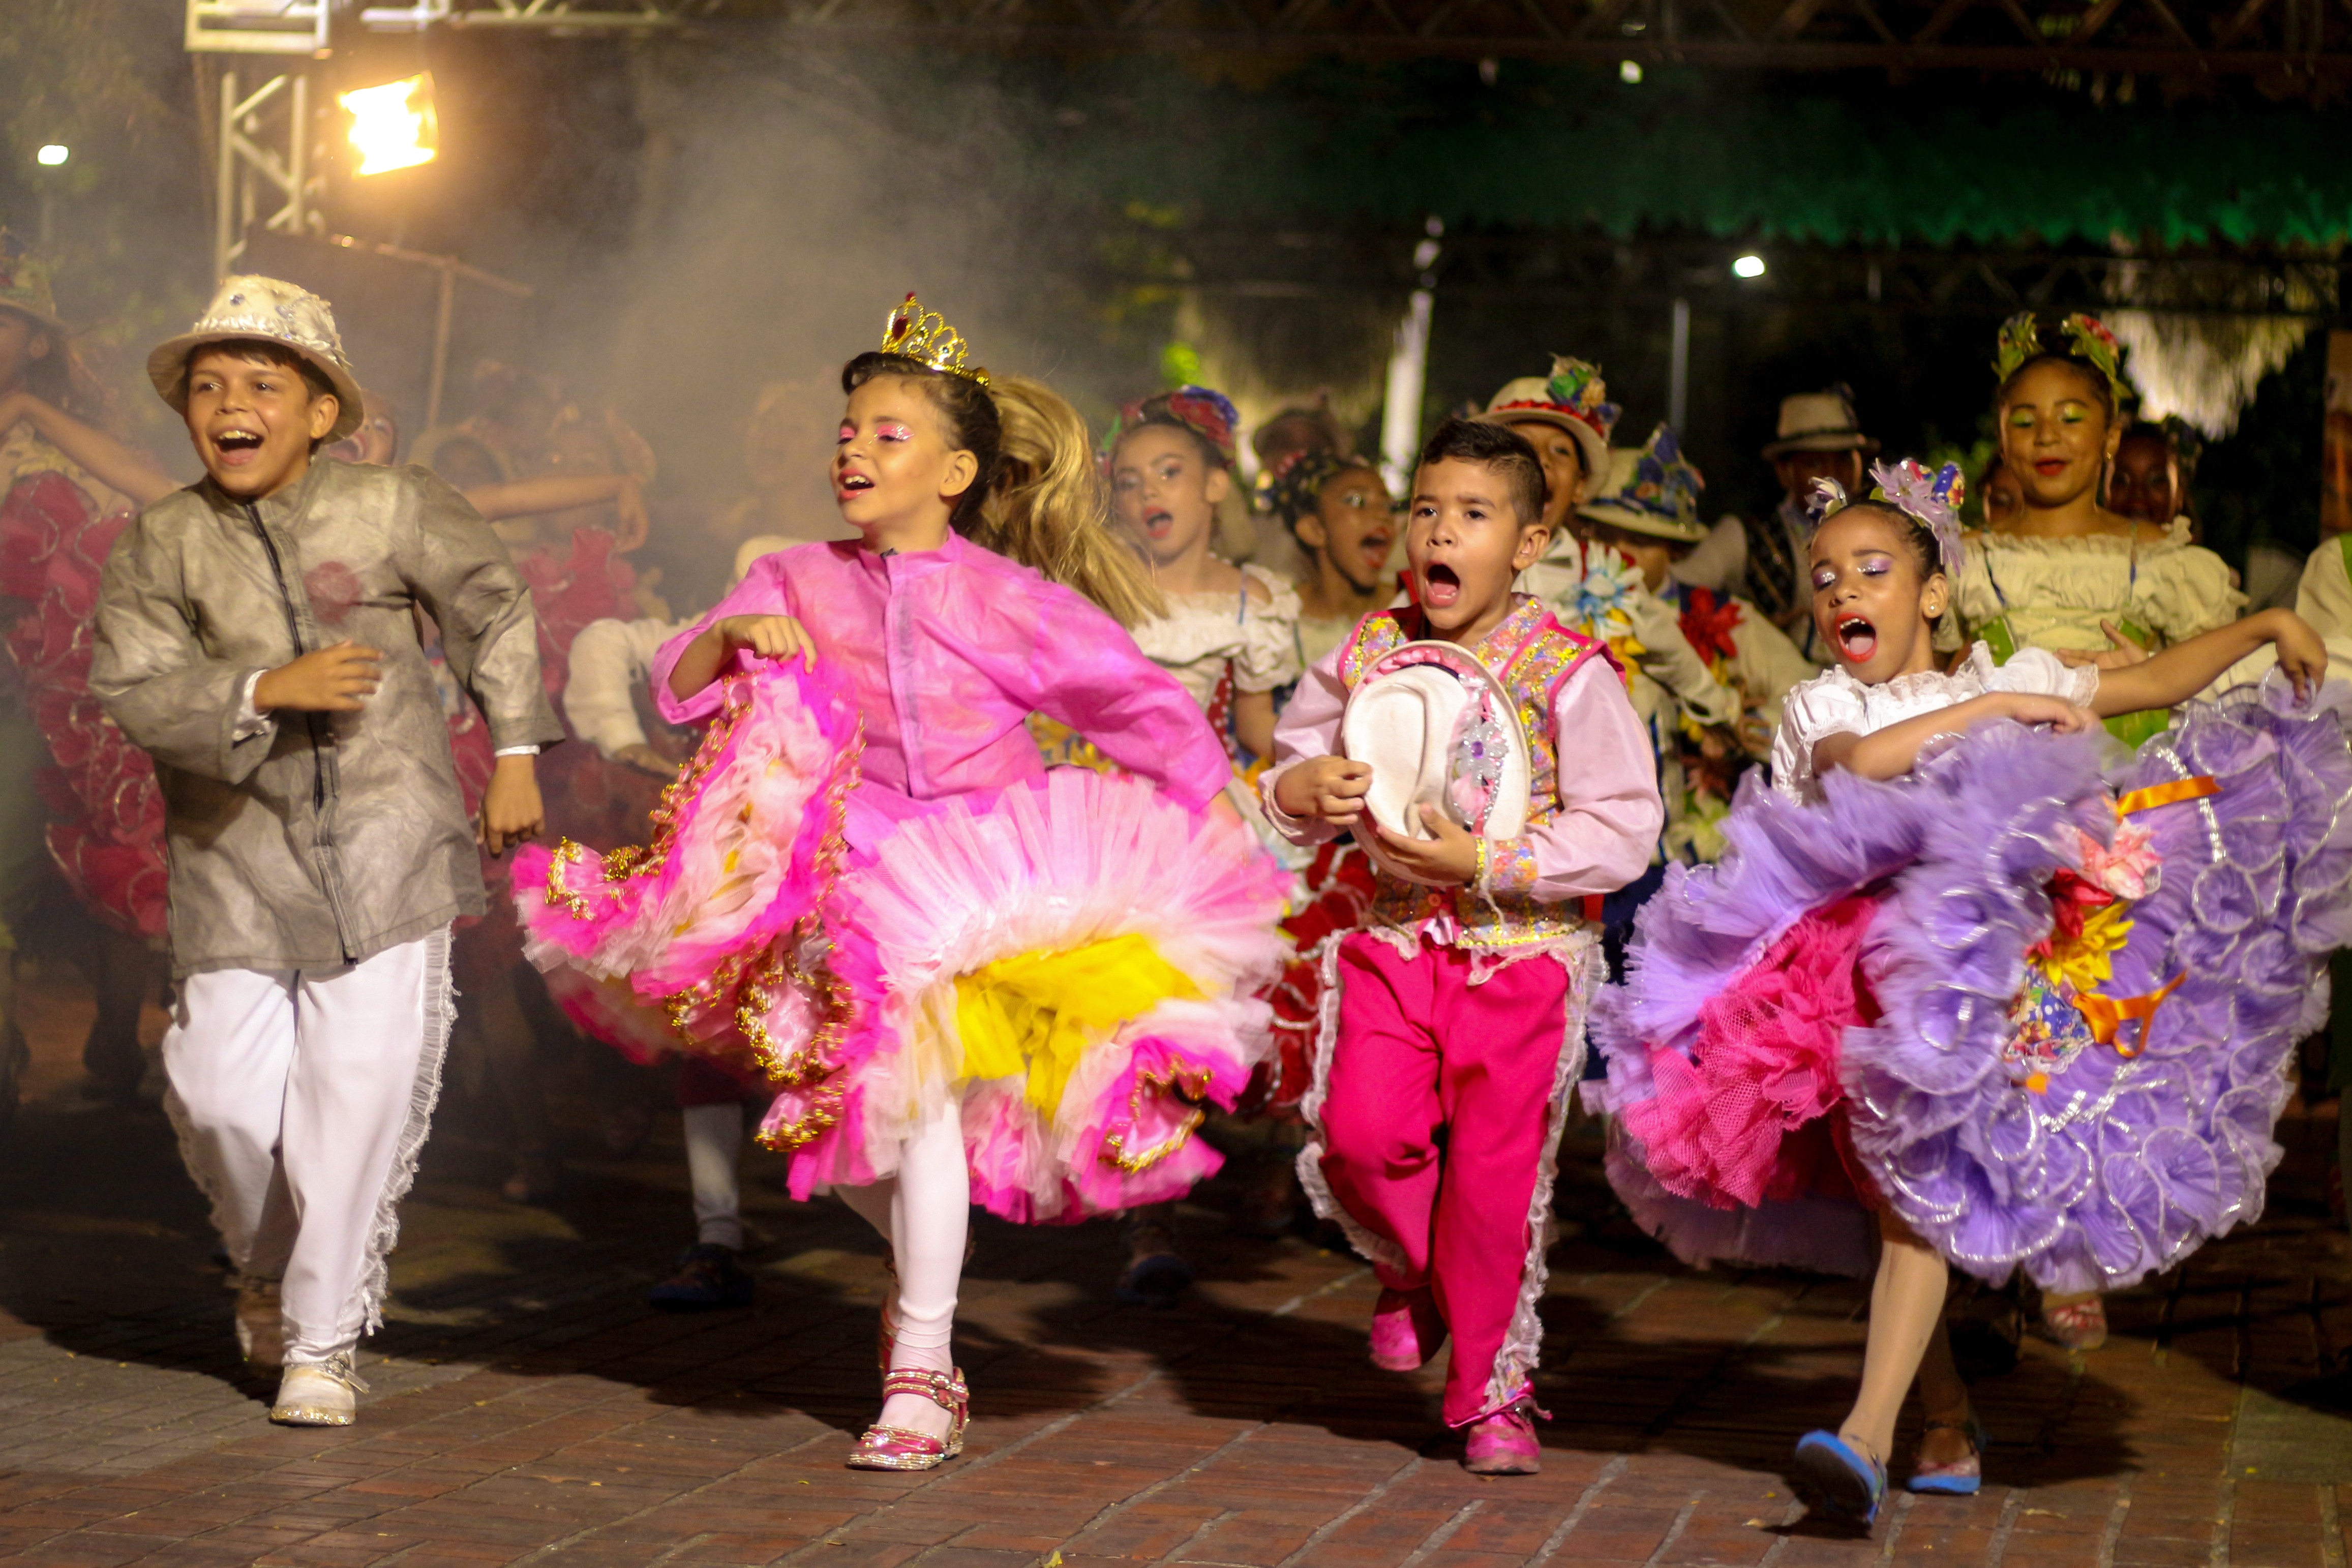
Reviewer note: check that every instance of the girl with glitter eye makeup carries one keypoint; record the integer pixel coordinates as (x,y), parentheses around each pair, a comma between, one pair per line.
(969,980)
(1860,1028)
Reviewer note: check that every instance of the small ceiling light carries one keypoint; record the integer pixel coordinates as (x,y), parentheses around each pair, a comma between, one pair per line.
(394,126)
(1630,72)
(1748,267)
(51,156)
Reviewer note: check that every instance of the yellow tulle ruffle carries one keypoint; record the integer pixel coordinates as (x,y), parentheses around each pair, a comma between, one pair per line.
(1031,1015)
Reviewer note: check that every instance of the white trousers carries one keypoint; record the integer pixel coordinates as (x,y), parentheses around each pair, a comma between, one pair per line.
(303,1101)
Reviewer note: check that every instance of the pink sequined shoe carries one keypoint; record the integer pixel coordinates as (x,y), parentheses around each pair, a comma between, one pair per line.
(1503,1444)
(1406,1329)
(903,1449)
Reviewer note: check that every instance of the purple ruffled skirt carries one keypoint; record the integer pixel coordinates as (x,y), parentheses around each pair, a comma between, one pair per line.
(2027,1067)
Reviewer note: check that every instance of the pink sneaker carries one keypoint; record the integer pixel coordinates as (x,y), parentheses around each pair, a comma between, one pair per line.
(1503,1444)
(1406,1329)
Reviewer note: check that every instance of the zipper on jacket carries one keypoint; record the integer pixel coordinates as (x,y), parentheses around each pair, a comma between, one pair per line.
(293,630)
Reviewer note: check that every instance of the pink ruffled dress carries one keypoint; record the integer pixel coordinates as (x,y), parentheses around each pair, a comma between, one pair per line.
(867,887)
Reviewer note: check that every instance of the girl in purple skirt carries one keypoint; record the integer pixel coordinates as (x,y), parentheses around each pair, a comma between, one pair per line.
(1971,988)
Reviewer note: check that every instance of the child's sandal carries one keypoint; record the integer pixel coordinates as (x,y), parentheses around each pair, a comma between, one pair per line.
(904,1448)
(1838,1479)
(1961,1478)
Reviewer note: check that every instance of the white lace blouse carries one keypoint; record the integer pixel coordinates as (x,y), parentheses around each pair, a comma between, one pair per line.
(1835,703)
(1201,634)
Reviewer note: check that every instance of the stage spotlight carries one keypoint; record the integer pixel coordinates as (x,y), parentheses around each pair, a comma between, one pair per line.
(1748,267)
(51,156)
(393,126)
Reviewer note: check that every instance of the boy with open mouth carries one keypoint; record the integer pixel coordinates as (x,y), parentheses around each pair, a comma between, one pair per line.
(258,637)
(1523,788)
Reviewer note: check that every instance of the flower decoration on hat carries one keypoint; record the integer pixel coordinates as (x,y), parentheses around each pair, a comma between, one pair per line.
(1574,388)
(1203,411)
(1294,487)
(1665,481)
(912,332)
(1931,500)
(2087,340)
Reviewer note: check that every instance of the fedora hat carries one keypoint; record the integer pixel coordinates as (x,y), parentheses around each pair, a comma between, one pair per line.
(270,311)
(1819,422)
(1653,491)
(1573,397)
(1438,729)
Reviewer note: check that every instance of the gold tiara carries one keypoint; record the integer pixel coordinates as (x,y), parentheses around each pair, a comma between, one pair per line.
(913,332)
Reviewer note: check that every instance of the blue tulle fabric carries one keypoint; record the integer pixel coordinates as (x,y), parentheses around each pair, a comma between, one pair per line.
(2121,1166)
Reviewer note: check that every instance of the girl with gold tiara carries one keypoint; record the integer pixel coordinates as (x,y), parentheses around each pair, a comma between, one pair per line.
(969,980)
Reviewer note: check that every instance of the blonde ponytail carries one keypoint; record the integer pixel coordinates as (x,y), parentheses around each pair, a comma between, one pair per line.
(1049,509)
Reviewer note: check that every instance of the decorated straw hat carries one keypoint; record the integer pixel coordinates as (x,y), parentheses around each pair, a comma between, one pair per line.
(1653,491)
(24,284)
(1819,422)
(264,309)
(1438,730)
(1572,397)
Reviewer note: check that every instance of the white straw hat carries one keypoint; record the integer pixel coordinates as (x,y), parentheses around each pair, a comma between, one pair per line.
(1438,730)
(272,311)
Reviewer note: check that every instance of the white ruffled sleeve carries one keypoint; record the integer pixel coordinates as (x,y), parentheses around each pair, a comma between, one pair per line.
(1827,705)
(1269,653)
(2036,672)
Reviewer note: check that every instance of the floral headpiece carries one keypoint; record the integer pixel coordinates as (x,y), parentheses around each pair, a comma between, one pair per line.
(1573,388)
(915,333)
(1294,487)
(1931,500)
(1206,413)
(2087,339)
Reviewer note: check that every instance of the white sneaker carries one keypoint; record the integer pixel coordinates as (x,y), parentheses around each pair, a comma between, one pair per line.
(260,1328)
(319,1394)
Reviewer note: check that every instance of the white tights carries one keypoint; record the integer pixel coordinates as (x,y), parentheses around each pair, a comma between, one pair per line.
(924,1213)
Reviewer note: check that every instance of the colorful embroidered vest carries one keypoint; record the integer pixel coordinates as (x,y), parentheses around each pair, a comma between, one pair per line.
(1531,654)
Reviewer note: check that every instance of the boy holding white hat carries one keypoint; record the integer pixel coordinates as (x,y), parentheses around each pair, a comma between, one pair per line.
(256,636)
(1507,785)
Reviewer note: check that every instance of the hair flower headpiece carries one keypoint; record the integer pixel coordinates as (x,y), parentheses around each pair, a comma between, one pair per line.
(1294,487)
(1931,500)
(912,332)
(1204,411)
(2088,339)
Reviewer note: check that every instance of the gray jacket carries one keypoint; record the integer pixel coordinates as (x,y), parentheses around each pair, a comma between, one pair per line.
(324,839)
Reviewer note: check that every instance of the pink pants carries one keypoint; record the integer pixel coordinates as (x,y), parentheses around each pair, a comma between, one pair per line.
(1437,1120)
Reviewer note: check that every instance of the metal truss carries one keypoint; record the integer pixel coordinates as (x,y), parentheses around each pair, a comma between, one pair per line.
(2284,40)
(263,170)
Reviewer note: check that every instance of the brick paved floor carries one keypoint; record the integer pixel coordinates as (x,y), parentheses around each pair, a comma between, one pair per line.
(529,1409)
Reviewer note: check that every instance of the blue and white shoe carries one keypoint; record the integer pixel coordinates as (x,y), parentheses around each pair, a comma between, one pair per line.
(1961,1478)
(1839,1481)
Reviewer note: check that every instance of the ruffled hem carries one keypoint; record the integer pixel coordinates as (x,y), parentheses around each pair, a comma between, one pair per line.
(2090,1172)
(1074,958)
(1074,884)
